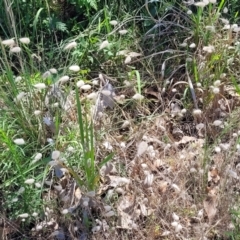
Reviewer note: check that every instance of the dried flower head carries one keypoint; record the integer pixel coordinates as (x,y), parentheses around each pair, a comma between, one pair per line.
(184,44)
(24,40)
(80,83)
(53,70)
(40,86)
(123,32)
(18,79)
(192,45)
(70,46)
(201,4)
(215,90)
(197,112)
(225,10)
(15,50)
(210,28)
(113,22)
(217,123)
(138,96)
(34,214)
(63,79)
(217,83)
(29,181)
(127,60)
(37,112)
(148,180)
(86,87)
(19,97)
(65,211)
(19,141)
(8,42)
(104,44)
(74,68)
(21,190)
(55,155)
(209,49)
(38,185)
(23,215)
(37,157)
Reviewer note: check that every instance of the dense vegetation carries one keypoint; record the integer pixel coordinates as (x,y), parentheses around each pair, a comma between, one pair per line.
(119,119)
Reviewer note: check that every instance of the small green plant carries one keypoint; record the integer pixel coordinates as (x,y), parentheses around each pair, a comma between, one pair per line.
(235,233)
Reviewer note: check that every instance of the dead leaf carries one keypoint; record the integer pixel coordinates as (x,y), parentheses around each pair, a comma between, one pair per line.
(213,176)
(186,139)
(162,186)
(78,193)
(126,211)
(210,206)
(116,181)
(142,147)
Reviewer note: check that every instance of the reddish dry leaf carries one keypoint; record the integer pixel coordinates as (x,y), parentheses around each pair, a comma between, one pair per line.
(213,175)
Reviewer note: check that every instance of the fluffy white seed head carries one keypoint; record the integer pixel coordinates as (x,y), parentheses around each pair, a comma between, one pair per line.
(184,44)
(19,141)
(200,4)
(217,123)
(29,181)
(38,185)
(37,157)
(70,46)
(24,40)
(15,50)
(63,79)
(8,42)
(21,190)
(148,180)
(128,60)
(104,44)
(210,28)
(40,86)
(34,214)
(19,97)
(225,10)
(192,45)
(217,83)
(86,87)
(23,215)
(18,79)
(113,22)
(37,112)
(123,32)
(217,149)
(47,74)
(74,68)
(53,70)
(65,211)
(80,83)
(215,90)
(197,112)
(209,49)
(138,96)
(55,155)
(175,217)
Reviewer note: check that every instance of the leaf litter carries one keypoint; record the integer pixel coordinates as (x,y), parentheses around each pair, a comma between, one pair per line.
(162,181)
